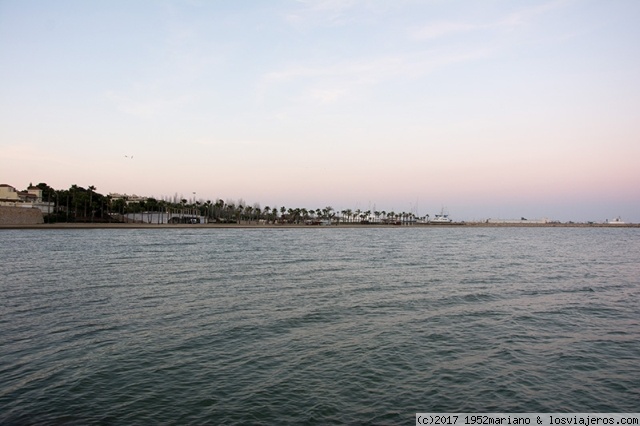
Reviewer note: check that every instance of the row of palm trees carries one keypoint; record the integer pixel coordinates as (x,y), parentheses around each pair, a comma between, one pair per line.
(78,204)
(242,213)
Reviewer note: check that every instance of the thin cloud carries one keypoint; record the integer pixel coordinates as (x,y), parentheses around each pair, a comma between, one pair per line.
(516,19)
(327,95)
(440,29)
(328,12)
(146,106)
(524,16)
(338,81)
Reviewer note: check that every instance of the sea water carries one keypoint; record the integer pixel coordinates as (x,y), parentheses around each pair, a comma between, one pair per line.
(315,325)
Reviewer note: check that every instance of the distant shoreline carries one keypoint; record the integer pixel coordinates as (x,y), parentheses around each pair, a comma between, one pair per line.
(44,226)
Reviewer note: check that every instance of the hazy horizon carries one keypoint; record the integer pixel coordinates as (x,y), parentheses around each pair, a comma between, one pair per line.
(495,109)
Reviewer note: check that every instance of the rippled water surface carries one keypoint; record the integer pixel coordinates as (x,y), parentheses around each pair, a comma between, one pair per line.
(317,326)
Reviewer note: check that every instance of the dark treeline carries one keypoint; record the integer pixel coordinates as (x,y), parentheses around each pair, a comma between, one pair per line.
(79,204)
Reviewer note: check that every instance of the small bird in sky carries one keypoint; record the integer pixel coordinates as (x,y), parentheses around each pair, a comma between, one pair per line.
(129,157)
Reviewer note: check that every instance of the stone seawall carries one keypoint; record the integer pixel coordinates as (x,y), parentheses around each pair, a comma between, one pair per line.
(20,216)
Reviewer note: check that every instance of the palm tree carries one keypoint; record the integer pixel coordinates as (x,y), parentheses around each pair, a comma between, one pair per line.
(349,214)
(327,211)
(248,210)
(218,208)
(91,189)
(207,205)
(74,191)
(161,208)
(391,215)
(238,213)
(184,203)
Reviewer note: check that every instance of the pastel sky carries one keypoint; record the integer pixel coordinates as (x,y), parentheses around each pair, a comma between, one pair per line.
(490,108)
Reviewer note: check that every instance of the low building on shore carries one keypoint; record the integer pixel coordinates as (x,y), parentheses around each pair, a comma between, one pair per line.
(617,221)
